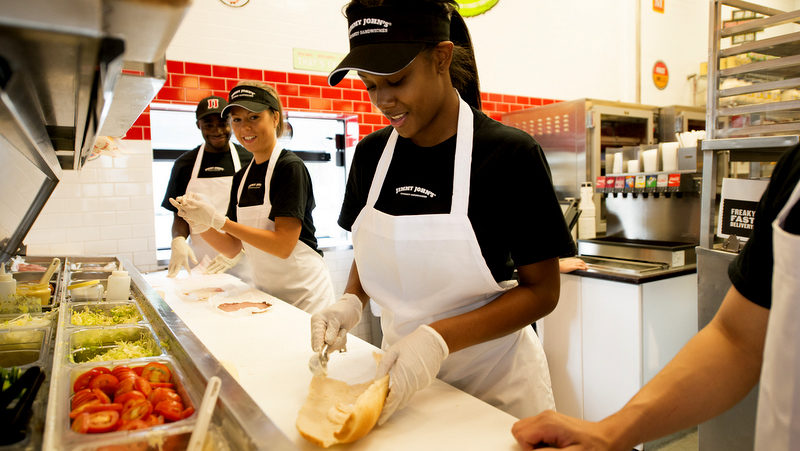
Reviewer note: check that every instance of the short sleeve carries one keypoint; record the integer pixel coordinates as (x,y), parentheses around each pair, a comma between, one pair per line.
(289,189)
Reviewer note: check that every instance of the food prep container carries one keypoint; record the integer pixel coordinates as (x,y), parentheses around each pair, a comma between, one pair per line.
(28,285)
(23,347)
(87,343)
(116,313)
(171,435)
(88,290)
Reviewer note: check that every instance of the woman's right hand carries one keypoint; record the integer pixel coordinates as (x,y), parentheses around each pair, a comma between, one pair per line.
(552,430)
(330,326)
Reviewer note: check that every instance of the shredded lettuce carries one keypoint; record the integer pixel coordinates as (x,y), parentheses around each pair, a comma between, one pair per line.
(127,350)
(123,314)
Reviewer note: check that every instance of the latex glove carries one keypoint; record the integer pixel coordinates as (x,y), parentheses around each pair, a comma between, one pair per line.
(181,254)
(412,364)
(198,211)
(333,322)
(221,263)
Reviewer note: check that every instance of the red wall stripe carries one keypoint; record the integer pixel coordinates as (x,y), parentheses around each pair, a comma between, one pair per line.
(189,82)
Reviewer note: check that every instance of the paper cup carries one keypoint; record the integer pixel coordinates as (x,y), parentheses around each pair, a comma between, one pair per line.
(633,166)
(617,168)
(669,156)
(650,160)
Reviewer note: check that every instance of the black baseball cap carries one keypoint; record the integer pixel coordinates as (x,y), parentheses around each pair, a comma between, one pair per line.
(251,98)
(385,39)
(210,105)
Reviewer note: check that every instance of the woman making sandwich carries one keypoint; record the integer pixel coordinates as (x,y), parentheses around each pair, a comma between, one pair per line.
(444,205)
(269,212)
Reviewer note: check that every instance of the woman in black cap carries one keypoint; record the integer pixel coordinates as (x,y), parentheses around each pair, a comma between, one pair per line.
(269,212)
(444,204)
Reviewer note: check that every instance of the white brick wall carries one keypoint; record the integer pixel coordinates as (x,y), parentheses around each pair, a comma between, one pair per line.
(106,208)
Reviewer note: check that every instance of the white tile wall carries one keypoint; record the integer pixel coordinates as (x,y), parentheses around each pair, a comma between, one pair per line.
(106,208)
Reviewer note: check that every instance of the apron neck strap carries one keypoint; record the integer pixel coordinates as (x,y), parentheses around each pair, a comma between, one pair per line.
(461,168)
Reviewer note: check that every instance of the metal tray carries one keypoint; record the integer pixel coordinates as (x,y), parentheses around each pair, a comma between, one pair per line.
(24,347)
(86,343)
(167,436)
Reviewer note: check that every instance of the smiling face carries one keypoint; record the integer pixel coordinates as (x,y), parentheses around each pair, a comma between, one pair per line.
(256,131)
(216,132)
(419,100)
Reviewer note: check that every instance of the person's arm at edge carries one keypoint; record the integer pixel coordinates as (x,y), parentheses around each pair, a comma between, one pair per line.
(712,372)
(179,226)
(535,296)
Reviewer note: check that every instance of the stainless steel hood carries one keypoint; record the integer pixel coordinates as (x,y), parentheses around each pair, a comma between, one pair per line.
(70,71)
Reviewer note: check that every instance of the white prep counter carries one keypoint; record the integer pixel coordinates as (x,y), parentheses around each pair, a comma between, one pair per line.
(270,353)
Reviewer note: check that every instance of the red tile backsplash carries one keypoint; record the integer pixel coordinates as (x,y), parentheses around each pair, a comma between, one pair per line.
(189,82)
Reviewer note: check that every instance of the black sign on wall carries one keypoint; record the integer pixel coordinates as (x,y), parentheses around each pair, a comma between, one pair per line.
(737,217)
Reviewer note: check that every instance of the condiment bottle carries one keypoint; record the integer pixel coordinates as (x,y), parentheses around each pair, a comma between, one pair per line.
(8,285)
(118,286)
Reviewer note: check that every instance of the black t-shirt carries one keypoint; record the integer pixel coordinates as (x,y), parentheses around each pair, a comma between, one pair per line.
(751,272)
(512,205)
(213,165)
(290,193)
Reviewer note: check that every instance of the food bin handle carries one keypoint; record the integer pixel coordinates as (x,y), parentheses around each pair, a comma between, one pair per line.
(50,270)
(204,414)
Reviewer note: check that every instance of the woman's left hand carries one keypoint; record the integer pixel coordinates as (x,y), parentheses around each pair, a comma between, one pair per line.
(195,209)
(412,363)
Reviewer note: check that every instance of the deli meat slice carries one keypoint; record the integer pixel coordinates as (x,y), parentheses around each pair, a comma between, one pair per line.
(234,306)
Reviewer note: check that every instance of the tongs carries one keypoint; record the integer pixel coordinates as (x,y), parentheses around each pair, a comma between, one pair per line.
(13,419)
(318,364)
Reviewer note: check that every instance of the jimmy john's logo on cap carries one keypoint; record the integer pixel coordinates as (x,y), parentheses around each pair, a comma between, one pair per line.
(242,92)
(212,103)
(370,25)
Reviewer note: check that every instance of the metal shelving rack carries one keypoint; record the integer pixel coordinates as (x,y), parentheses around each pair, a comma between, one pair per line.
(755,133)
(780,71)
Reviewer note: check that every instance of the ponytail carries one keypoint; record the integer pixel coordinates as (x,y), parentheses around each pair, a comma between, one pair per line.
(463,68)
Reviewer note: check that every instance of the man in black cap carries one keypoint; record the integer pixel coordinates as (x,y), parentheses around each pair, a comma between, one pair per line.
(207,169)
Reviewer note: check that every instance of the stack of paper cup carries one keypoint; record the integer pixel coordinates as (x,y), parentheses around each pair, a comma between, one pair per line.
(617,168)
(669,156)
(633,165)
(650,160)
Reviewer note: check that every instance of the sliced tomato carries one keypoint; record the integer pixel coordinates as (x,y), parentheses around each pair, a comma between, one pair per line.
(162,385)
(85,407)
(125,386)
(138,370)
(156,372)
(136,409)
(101,395)
(103,421)
(106,382)
(133,425)
(187,412)
(82,396)
(120,369)
(161,394)
(142,385)
(81,423)
(83,380)
(154,420)
(171,410)
(124,398)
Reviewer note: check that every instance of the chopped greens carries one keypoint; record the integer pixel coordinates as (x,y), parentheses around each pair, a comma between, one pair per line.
(123,314)
(17,303)
(121,350)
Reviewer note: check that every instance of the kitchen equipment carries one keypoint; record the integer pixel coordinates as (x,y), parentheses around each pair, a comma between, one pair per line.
(89,290)
(204,414)
(50,271)
(318,364)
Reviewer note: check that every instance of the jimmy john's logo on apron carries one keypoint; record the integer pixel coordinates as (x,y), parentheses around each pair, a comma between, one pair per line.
(415,191)
(214,169)
(254,186)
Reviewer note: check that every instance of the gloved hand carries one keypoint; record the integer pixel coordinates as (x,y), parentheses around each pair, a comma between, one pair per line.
(412,363)
(221,263)
(181,254)
(332,323)
(196,210)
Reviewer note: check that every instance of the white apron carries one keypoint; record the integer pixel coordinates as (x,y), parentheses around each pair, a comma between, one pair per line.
(302,279)
(778,418)
(217,190)
(423,268)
